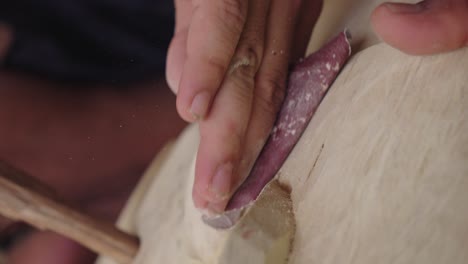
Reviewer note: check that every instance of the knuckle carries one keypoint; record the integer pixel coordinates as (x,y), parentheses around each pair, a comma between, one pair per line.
(243,69)
(228,15)
(270,93)
(246,59)
(229,132)
(233,132)
(233,12)
(244,88)
(218,64)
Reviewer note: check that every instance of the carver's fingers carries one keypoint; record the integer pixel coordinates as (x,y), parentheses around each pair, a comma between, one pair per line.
(213,35)
(270,82)
(223,130)
(176,54)
(308,12)
(269,87)
(285,42)
(431,26)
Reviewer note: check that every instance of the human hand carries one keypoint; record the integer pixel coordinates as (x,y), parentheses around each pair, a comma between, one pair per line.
(431,26)
(228,64)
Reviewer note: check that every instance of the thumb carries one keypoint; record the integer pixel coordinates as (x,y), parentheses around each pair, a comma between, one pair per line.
(431,26)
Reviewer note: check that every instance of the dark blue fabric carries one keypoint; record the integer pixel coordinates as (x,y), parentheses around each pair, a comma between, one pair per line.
(89,40)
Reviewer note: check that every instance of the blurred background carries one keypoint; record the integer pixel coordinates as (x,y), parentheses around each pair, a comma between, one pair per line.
(84,106)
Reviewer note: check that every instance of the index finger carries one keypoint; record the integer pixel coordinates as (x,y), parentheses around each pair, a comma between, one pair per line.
(215,29)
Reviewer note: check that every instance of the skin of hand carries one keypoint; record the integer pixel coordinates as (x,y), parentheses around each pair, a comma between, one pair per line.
(431,26)
(228,62)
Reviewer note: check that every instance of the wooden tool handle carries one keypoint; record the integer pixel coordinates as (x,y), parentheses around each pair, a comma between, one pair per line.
(22,198)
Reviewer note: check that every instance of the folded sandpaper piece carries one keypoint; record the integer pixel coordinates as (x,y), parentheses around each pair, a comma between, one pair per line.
(308,83)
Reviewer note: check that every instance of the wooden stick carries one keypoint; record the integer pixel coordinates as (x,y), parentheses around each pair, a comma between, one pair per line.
(22,198)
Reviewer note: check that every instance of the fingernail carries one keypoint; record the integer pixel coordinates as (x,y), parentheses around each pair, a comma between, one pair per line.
(406,8)
(200,104)
(221,182)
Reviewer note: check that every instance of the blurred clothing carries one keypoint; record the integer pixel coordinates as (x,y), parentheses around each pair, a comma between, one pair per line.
(110,41)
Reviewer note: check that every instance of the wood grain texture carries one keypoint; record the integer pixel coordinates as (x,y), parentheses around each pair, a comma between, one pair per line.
(128,221)
(172,231)
(22,199)
(381,173)
(379,176)
(308,83)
